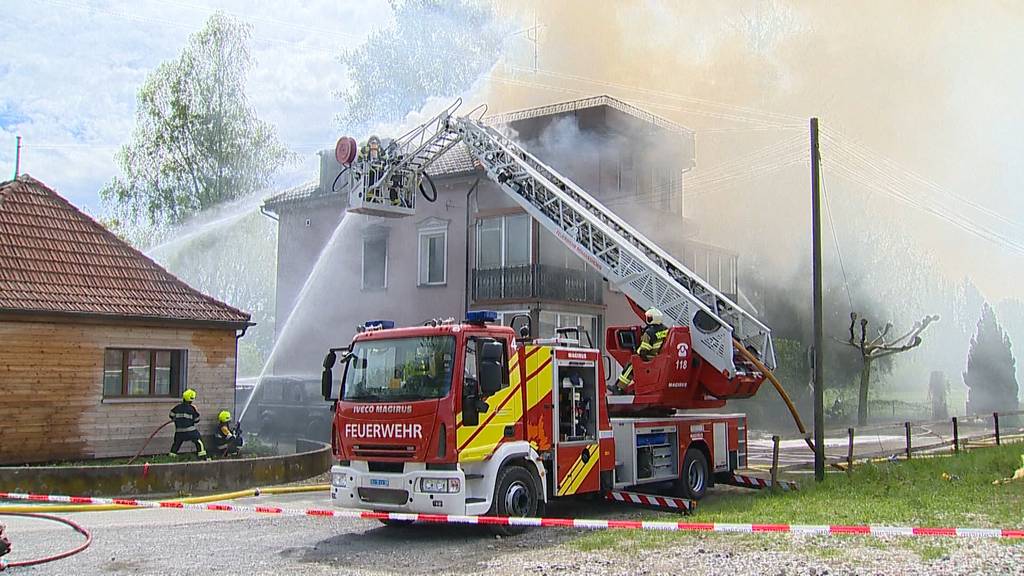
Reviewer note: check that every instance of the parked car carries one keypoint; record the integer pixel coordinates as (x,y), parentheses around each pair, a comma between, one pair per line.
(289,407)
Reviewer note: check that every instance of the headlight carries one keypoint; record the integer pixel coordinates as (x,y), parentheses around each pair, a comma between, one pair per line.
(440,485)
(339,479)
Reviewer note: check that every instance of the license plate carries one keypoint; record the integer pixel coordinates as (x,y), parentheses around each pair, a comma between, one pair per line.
(379,482)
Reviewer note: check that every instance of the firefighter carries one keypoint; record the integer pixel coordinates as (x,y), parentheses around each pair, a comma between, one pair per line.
(653,337)
(372,155)
(186,420)
(226,442)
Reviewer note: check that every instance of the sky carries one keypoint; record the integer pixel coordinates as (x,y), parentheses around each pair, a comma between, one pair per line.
(930,86)
(70,71)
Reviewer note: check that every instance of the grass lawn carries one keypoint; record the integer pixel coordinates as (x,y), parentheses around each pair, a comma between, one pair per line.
(905,493)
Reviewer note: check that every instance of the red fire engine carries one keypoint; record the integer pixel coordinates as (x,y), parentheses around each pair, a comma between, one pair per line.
(475,418)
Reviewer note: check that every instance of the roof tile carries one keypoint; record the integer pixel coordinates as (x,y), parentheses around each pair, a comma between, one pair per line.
(54,258)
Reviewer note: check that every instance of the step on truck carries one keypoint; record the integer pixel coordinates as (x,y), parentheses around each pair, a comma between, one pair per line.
(473,418)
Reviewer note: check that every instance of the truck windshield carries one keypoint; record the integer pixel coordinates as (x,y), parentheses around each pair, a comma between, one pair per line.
(400,369)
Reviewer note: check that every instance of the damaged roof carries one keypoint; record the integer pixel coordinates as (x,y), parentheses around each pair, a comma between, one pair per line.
(458,161)
(583,104)
(54,259)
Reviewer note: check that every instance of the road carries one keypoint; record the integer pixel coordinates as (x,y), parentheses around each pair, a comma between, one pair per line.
(888,440)
(187,543)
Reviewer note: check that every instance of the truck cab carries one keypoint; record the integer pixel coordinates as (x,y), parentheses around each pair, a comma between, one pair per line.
(426,416)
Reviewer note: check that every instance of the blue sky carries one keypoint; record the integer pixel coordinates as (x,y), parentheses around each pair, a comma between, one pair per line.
(70,70)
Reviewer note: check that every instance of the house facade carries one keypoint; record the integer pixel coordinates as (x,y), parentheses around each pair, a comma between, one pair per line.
(475,248)
(99,341)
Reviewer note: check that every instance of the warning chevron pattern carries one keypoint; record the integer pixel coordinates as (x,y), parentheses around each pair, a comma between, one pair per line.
(824,529)
(674,504)
(755,482)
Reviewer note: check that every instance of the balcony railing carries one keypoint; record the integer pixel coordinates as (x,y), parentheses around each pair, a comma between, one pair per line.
(537,281)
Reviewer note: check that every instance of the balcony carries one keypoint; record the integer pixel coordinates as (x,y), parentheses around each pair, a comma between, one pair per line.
(537,282)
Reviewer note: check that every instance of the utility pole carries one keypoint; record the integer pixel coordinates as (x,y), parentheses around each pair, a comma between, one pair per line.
(819,337)
(17,159)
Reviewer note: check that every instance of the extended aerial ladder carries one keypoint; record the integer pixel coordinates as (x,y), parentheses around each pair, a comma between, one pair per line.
(644,272)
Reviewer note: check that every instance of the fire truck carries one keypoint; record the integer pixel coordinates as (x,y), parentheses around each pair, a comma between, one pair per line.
(473,418)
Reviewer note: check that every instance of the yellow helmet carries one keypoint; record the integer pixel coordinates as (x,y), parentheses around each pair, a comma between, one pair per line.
(188,395)
(224,417)
(654,316)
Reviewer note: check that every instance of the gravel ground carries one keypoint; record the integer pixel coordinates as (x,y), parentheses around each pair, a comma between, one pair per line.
(201,543)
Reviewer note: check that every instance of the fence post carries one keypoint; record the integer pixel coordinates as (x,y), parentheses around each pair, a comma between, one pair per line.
(995,418)
(849,451)
(775,462)
(956,435)
(907,426)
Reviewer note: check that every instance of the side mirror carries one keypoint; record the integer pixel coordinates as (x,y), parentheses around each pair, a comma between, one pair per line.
(472,405)
(491,377)
(327,377)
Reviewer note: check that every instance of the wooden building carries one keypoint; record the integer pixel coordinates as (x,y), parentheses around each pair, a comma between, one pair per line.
(97,341)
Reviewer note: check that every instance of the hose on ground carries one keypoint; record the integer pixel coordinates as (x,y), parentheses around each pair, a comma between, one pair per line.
(35,561)
(248,493)
(158,429)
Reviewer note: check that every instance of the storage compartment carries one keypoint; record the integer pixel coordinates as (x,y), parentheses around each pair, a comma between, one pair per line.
(644,454)
(577,404)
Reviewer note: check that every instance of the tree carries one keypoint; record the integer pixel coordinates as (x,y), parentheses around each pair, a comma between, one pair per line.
(991,369)
(197,141)
(436,48)
(879,347)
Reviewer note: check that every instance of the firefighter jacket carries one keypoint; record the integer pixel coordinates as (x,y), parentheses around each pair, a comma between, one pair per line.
(651,341)
(223,436)
(185,417)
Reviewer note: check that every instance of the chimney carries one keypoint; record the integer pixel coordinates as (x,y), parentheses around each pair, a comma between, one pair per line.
(329,170)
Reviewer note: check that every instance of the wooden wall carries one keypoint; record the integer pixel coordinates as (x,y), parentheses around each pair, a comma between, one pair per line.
(51,388)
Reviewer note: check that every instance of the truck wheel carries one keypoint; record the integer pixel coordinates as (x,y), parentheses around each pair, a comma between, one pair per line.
(516,496)
(693,481)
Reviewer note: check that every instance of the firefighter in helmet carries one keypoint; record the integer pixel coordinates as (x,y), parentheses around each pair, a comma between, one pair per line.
(226,442)
(653,337)
(371,156)
(186,419)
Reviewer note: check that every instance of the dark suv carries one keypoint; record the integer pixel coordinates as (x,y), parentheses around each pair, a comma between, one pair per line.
(289,407)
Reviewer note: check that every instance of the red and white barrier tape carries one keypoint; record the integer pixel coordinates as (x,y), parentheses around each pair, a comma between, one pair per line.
(539,522)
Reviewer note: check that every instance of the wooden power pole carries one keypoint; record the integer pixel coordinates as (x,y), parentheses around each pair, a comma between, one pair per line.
(819,350)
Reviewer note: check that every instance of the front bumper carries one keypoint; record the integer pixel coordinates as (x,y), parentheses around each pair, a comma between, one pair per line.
(355,486)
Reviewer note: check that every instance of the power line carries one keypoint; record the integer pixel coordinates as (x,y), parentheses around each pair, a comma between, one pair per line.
(835,238)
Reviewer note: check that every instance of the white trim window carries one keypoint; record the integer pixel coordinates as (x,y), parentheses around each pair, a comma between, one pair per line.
(503,241)
(375,262)
(433,256)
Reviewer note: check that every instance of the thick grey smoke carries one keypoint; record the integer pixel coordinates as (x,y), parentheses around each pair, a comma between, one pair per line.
(922,84)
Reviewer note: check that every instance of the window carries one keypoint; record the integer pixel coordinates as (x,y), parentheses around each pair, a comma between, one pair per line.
(471,361)
(433,268)
(375,262)
(503,241)
(134,373)
(549,321)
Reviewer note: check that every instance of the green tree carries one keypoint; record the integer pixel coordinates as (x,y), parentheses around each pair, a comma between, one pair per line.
(435,48)
(197,141)
(991,369)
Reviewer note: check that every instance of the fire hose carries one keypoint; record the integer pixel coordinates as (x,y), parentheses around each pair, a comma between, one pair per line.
(778,386)
(155,432)
(35,561)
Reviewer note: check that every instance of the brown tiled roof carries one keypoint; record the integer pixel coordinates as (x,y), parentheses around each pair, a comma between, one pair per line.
(54,259)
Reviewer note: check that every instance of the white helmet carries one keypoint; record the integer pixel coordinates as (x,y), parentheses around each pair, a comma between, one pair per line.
(654,316)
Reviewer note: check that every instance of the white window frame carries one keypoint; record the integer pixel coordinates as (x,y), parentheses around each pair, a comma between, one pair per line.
(362,268)
(423,276)
(503,218)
